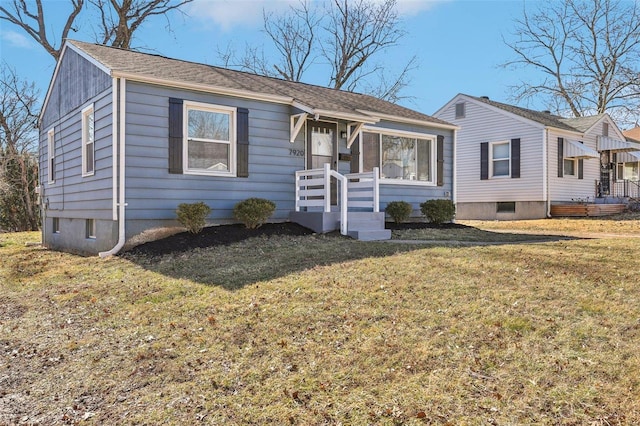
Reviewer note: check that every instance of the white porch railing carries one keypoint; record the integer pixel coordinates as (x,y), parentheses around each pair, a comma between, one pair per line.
(355,190)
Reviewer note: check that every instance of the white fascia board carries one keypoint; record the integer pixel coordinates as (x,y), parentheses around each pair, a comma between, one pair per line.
(346,116)
(405,120)
(89,58)
(448,104)
(287,100)
(508,113)
(82,53)
(302,107)
(565,132)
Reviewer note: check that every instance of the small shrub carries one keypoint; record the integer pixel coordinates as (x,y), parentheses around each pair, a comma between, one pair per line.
(192,216)
(399,211)
(253,212)
(438,211)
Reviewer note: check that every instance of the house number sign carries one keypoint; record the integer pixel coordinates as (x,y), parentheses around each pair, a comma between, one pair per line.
(296,152)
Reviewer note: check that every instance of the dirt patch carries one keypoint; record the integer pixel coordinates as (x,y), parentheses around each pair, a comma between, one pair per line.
(228,234)
(215,236)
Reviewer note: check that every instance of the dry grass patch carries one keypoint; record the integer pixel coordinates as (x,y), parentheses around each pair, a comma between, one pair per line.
(626,224)
(361,333)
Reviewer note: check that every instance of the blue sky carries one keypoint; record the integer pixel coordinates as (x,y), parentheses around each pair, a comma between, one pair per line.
(458,43)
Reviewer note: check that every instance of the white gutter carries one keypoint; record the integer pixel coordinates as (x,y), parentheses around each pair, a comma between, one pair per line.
(247,94)
(381,116)
(454,182)
(121,169)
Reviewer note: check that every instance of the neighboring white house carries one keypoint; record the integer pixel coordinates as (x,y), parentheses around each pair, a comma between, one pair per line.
(514,163)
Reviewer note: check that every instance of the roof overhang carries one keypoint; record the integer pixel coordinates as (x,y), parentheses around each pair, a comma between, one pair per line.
(247,94)
(409,120)
(606,143)
(574,149)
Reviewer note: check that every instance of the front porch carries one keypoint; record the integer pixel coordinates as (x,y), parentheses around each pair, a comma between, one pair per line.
(327,201)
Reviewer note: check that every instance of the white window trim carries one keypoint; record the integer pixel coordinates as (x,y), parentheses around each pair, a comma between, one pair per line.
(91,233)
(623,164)
(491,159)
(402,133)
(51,154)
(575,167)
(85,113)
(233,143)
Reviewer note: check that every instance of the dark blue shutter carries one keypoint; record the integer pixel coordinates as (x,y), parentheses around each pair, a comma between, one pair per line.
(242,141)
(175,135)
(440,160)
(515,158)
(560,157)
(484,160)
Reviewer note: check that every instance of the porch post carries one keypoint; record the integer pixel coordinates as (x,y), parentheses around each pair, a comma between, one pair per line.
(376,190)
(327,187)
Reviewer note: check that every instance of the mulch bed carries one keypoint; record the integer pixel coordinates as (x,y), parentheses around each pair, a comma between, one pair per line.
(229,234)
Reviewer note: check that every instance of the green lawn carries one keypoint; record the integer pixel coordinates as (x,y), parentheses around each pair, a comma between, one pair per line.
(325,330)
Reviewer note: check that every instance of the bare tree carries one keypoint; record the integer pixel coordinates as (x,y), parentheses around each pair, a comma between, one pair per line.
(18,151)
(357,30)
(347,35)
(119,19)
(588,53)
(33,22)
(293,37)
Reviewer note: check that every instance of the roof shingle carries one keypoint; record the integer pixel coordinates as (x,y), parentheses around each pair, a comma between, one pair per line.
(162,68)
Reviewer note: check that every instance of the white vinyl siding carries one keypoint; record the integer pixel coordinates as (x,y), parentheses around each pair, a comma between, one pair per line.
(569,187)
(482,124)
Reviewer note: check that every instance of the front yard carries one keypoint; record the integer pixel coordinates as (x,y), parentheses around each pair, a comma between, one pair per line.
(309,329)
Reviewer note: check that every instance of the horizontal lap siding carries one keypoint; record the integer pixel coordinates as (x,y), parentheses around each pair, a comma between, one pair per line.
(154,194)
(72,195)
(484,124)
(569,188)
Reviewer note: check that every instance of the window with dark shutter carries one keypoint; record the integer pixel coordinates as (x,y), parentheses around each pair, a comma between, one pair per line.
(175,135)
(560,157)
(440,160)
(243,142)
(515,158)
(484,160)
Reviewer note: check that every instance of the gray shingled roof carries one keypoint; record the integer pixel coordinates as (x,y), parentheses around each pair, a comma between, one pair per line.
(159,67)
(573,124)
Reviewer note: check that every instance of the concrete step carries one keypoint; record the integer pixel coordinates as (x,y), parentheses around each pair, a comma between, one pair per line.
(359,225)
(370,234)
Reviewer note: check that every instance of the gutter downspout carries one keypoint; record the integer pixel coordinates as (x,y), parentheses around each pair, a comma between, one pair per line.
(454,183)
(545,170)
(121,200)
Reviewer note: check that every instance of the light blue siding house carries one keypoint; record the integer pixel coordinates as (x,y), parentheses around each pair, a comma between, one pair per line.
(125,137)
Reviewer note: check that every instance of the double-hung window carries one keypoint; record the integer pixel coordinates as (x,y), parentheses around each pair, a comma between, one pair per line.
(51,155)
(401,157)
(500,159)
(88,139)
(210,137)
(569,165)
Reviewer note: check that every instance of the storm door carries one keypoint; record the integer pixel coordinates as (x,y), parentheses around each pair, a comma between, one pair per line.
(322,148)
